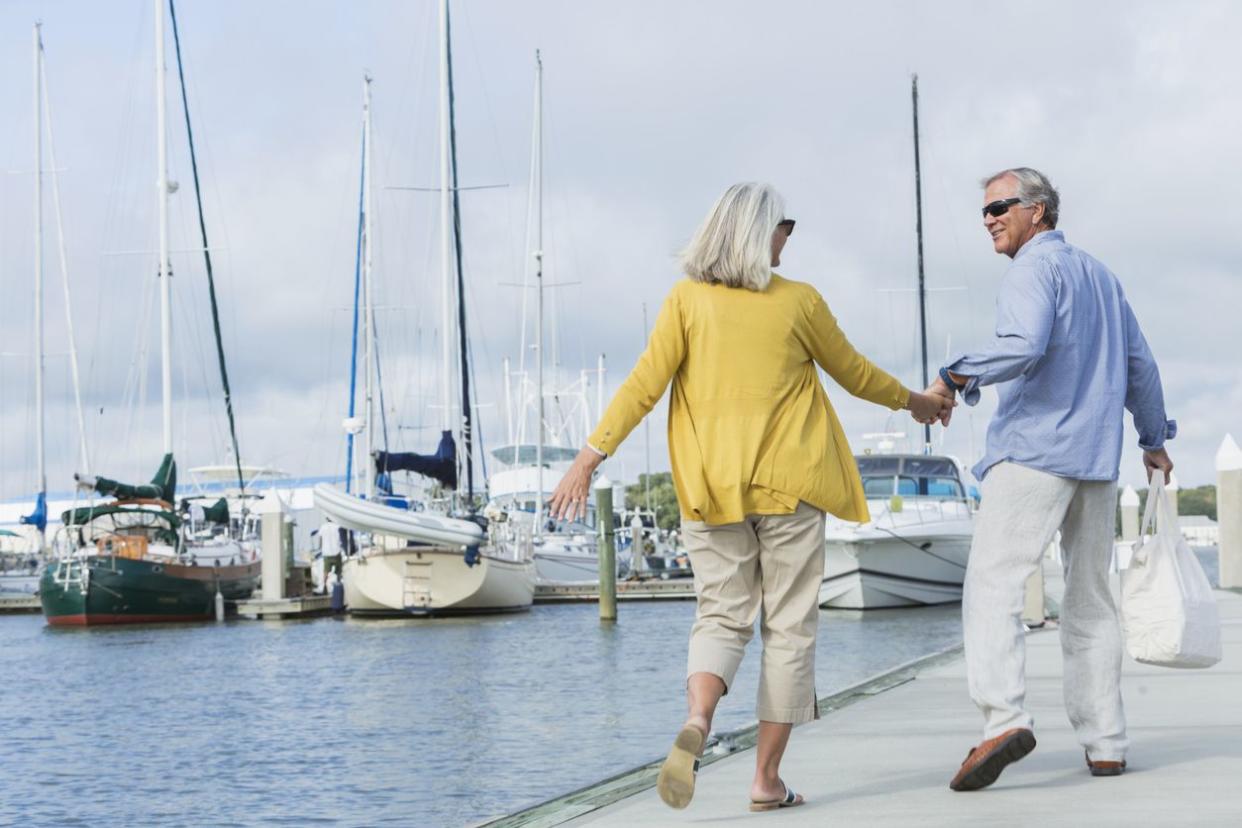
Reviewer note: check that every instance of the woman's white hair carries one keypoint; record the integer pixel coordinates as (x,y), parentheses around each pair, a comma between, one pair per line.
(733,246)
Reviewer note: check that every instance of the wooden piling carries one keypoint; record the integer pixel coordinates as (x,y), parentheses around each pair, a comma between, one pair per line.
(607,550)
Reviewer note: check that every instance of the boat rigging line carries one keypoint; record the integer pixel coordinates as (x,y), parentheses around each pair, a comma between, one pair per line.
(202,227)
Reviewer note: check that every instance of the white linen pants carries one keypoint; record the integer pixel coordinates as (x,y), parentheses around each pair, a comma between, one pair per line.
(1021,511)
(769,566)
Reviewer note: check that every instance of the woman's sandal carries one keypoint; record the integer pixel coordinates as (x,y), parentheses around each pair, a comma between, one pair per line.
(790,800)
(676,781)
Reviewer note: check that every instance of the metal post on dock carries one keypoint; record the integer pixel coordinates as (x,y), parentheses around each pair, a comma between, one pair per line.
(1229,512)
(607,550)
(272,539)
(1129,514)
(638,546)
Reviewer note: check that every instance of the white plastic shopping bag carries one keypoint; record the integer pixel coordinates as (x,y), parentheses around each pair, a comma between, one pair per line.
(1168,610)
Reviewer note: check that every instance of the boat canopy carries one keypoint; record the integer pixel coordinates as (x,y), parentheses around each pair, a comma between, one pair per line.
(524,454)
(441,466)
(114,518)
(162,487)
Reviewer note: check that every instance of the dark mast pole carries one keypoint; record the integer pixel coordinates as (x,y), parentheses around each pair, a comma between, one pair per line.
(467,420)
(918,208)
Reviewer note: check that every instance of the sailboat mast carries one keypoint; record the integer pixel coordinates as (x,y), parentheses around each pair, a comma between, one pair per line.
(446,295)
(463,349)
(918,206)
(40,448)
(164,268)
(536,161)
(369,359)
(84,457)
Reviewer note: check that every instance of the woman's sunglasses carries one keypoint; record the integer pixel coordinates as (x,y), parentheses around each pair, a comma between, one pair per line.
(996,209)
(788,224)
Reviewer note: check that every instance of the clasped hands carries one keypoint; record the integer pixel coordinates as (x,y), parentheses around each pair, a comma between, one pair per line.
(934,405)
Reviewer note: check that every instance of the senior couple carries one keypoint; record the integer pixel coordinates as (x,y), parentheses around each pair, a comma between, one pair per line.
(758,458)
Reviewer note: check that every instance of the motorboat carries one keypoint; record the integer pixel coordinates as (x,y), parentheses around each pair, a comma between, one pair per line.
(913,551)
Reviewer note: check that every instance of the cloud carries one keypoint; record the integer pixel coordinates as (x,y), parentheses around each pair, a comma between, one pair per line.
(651,109)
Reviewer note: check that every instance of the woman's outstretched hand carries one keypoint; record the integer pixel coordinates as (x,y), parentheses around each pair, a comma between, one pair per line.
(569,501)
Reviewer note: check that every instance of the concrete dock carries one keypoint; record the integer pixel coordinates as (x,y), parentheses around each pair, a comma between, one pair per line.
(887,759)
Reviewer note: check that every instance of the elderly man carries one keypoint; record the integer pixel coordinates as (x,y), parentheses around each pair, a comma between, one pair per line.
(1067,357)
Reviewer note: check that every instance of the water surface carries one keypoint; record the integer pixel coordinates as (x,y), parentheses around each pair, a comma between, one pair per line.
(368,722)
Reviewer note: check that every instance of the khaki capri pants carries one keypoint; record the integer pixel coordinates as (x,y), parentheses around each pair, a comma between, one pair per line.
(766,564)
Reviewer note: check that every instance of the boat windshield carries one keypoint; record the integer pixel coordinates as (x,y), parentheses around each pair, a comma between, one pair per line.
(928,477)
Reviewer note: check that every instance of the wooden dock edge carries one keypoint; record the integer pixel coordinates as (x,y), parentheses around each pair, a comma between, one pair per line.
(13,606)
(572,805)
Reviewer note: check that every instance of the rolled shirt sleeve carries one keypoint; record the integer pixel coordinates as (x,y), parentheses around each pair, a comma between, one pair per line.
(1025,311)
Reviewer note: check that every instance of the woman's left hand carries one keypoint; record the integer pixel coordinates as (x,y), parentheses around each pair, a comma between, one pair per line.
(569,501)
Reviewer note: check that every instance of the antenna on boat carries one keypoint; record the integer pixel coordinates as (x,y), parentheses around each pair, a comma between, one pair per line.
(918,207)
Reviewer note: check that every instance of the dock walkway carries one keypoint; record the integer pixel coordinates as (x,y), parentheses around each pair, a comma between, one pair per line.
(887,761)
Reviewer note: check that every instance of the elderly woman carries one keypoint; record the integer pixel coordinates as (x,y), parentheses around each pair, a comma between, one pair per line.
(758,457)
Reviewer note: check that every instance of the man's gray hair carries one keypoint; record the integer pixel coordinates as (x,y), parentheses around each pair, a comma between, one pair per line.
(733,246)
(1033,188)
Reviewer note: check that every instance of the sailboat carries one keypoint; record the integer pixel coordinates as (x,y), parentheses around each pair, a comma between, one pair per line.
(129,560)
(914,549)
(533,464)
(412,560)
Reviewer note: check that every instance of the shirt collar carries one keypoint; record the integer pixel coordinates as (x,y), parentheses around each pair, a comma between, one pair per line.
(1040,238)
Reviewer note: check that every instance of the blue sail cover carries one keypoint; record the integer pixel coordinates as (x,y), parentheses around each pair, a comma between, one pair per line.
(37,518)
(441,466)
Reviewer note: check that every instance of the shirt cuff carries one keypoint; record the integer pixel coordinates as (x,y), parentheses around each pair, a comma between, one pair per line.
(1170,431)
(597,451)
(970,391)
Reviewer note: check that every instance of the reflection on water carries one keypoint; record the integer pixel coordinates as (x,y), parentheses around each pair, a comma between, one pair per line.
(376,722)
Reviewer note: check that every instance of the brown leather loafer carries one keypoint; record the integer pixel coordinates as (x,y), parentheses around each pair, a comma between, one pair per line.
(985,762)
(1105,767)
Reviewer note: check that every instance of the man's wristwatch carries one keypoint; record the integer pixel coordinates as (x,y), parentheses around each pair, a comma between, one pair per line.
(948,380)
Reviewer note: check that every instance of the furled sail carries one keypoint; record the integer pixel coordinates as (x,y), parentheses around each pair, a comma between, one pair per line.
(161,487)
(441,466)
(37,518)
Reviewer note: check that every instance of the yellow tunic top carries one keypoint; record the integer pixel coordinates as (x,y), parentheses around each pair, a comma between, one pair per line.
(750,428)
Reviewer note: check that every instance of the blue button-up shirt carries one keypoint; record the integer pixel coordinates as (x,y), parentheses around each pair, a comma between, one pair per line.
(1068,356)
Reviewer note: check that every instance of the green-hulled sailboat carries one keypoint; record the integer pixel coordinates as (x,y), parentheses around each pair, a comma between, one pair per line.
(129,562)
(136,558)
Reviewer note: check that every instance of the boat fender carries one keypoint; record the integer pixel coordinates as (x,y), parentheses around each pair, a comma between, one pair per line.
(472,555)
(338,597)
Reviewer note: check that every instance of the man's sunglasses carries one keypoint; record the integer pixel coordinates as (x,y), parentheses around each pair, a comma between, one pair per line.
(788,224)
(996,209)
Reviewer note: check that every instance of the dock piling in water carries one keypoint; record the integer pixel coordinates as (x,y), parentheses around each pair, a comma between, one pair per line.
(1229,512)
(607,550)
(272,541)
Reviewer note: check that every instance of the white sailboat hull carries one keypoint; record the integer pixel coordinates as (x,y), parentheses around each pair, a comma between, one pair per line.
(896,563)
(426,580)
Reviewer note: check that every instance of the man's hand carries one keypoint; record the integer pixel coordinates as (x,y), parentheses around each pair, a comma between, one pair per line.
(940,389)
(928,407)
(1158,459)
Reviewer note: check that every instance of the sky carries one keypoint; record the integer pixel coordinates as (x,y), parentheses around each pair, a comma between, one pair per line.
(651,109)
